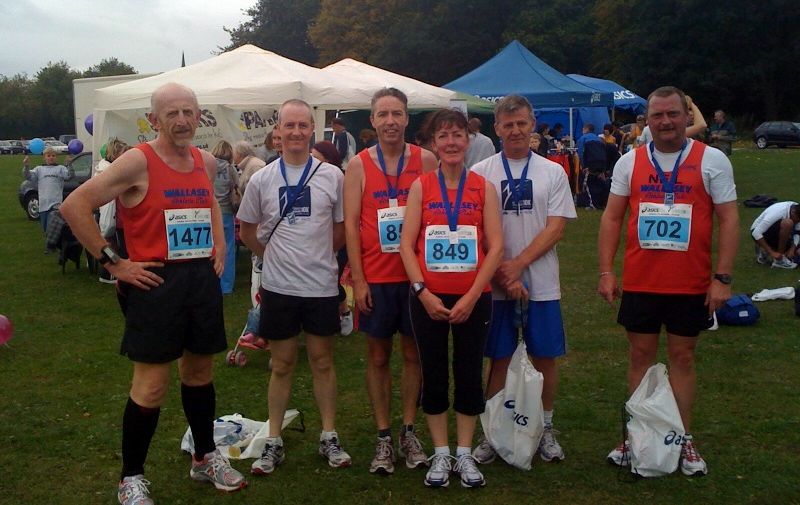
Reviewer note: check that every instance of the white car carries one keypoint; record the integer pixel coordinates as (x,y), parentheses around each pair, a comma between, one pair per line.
(60,147)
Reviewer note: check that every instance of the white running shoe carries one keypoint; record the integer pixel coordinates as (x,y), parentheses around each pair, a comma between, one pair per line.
(468,471)
(216,469)
(439,472)
(621,455)
(346,323)
(549,448)
(784,262)
(383,462)
(692,464)
(484,453)
(133,491)
(332,451)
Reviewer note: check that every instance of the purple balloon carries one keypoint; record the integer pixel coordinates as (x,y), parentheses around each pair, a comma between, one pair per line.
(88,123)
(75,146)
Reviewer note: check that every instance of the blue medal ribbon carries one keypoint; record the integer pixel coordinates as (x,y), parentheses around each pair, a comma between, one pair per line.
(516,188)
(391,190)
(452,214)
(292,193)
(668,185)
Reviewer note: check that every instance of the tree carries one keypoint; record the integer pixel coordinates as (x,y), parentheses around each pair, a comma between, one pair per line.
(15,107)
(53,100)
(281,27)
(110,66)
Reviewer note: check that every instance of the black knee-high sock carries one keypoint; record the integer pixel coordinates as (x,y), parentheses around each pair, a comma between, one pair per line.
(199,403)
(138,425)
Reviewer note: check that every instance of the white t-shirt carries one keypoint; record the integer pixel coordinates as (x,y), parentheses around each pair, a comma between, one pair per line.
(299,259)
(770,216)
(715,169)
(480,148)
(546,194)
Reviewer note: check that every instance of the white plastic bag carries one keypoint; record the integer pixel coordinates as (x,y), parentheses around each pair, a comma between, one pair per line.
(513,420)
(108,219)
(237,437)
(655,429)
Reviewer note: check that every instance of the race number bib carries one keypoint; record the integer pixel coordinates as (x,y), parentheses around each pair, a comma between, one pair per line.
(665,226)
(451,253)
(390,224)
(188,233)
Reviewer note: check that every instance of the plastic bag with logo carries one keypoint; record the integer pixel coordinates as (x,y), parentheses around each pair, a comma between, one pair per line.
(513,420)
(655,429)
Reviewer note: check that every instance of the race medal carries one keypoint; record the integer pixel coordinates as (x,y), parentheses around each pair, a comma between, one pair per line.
(290,217)
(392,202)
(188,233)
(390,225)
(664,226)
(444,255)
(669,199)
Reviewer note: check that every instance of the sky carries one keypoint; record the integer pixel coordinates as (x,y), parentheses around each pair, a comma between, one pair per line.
(148,35)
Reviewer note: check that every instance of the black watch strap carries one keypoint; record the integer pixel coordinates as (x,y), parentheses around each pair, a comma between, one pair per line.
(723,278)
(108,255)
(417,288)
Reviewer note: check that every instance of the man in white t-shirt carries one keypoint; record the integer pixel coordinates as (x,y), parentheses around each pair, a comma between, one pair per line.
(773,230)
(480,146)
(291,215)
(536,203)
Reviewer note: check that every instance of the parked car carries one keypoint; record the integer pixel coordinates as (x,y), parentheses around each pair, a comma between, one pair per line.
(777,133)
(11,147)
(18,147)
(60,147)
(65,139)
(5,147)
(29,193)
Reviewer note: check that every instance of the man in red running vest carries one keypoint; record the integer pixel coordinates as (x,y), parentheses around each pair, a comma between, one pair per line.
(169,288)
(672,188)
(376,187)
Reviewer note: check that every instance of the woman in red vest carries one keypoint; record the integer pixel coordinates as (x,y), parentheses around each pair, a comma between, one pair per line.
(451,245)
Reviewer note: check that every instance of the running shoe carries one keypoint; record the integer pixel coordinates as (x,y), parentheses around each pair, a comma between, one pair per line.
(346,323)
(549,448)
(621,455)
(383,462)
(411,449)
(692,464)
(468,471)
(332,451)
(272,456)
(216,469)
(484,453)
(784,262)
(762,258)
(133,491)
(439,472)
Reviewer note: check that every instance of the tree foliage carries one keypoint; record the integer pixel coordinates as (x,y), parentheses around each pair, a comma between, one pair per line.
(281,27)
(110,66)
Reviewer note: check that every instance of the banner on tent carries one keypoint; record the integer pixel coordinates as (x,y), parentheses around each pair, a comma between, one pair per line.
(217,122)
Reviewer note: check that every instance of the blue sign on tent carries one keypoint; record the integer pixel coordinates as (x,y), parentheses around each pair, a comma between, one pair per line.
(624,99)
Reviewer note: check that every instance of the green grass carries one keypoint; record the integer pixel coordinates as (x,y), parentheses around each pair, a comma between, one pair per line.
(63,387)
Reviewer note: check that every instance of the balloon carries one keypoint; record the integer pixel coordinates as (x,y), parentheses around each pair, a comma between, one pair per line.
(75,146)
(6,329)
(88,123)
(36,146)
(103,151)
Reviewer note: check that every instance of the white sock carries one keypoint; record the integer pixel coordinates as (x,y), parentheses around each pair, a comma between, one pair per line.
(548,417)
(460,451)
(442,450)
(327,435)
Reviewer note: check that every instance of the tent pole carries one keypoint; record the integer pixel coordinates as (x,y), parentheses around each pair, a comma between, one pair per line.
(571,131)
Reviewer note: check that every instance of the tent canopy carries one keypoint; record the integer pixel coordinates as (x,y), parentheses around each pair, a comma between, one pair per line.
(624,99)
(516,70)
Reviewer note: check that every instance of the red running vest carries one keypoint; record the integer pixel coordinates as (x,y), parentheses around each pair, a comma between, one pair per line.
(664,271)
(145,228)
(380,267)
(433,213)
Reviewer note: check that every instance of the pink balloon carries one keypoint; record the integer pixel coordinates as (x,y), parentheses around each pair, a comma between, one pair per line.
(6,329)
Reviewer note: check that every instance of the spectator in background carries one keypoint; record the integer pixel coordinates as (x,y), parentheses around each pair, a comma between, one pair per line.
(267,149)
(558,131)
(588,136)
(618,134)
(631,139)
(49,179)
(343,140)
(697,124)
(538,145)
(368,138)
(480,146)
(608,134)
(772,232)
(277,144)
(226,191)
(721,133)
(247,162)
(110,224)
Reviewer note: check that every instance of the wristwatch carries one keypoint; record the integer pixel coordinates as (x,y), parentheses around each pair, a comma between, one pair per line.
(723,278)
(108,255)
(417,288)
